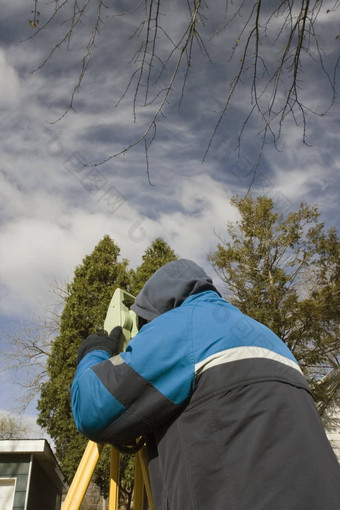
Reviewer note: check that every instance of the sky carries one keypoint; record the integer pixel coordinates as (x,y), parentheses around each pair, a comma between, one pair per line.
(56,206)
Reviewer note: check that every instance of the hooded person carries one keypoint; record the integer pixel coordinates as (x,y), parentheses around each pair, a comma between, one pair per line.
(227,415)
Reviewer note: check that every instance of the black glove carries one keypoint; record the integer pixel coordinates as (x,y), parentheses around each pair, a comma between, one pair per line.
(100,342)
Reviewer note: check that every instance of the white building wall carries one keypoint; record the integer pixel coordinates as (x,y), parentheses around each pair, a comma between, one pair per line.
(331,421)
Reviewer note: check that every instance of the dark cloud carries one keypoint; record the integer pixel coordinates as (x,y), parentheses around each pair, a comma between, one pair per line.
(46,158)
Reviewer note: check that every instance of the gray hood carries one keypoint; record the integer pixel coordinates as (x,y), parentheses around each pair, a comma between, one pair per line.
(169,286)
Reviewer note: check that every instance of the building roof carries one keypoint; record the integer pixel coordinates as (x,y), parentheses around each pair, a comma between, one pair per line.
(42,451)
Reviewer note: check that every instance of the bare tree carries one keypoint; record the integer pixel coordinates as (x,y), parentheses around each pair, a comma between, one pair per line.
(273,44)
(29,347)
(13,427)
(26,358)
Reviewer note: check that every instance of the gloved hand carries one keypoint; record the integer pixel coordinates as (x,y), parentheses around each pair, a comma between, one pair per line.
(100,342)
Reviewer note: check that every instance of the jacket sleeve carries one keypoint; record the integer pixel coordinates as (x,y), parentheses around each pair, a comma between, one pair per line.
(120,398)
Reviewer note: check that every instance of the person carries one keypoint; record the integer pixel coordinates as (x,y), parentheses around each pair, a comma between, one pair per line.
(228,418)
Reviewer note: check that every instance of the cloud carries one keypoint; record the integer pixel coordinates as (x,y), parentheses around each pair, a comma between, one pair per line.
(55,210)
(9,84)
(42,244)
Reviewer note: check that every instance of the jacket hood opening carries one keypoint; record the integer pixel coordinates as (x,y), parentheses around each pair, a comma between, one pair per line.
(169,286)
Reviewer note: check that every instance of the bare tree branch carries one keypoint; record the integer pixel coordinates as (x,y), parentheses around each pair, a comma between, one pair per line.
(29,347)
(275,77)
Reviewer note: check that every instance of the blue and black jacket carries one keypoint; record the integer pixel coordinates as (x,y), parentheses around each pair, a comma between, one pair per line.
(228,415)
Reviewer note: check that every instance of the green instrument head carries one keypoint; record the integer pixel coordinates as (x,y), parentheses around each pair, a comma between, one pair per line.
(119,314)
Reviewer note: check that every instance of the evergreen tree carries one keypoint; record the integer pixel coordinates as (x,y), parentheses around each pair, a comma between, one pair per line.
(86,304)
(284,272)
(158,254)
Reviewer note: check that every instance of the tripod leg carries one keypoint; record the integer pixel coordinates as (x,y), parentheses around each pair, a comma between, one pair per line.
(138,491)
(114,479)
(82,477)
(141,457)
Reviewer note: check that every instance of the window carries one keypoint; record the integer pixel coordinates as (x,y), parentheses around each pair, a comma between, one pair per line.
(7,491)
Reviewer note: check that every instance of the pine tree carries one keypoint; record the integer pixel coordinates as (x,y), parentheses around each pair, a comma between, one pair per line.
(155,256)
(85,308)
(284,272)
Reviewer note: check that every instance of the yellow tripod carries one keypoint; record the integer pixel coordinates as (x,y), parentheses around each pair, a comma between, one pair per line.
(85,470)
(118,314)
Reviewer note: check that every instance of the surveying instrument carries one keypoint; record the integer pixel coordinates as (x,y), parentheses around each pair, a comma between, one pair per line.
(118,314)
